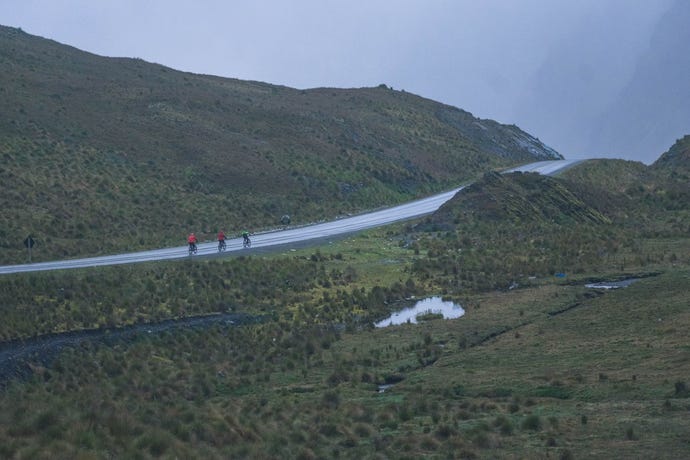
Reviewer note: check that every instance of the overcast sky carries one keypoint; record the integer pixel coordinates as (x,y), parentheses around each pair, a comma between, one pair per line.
(549,66)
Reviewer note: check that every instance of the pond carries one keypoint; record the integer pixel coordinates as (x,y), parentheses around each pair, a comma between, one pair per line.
(435,306)
(612,284)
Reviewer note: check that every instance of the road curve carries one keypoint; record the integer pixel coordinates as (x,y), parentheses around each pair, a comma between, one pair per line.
(288,237)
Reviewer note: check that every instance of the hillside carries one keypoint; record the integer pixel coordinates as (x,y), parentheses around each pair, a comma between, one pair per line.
(515,197)
(539,366)
(105,154)
(677,158)
(504,230)
(631,192)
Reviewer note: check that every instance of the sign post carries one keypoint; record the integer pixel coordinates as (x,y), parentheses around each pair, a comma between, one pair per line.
(29,243)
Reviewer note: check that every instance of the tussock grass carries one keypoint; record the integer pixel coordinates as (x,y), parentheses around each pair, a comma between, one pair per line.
(546,368)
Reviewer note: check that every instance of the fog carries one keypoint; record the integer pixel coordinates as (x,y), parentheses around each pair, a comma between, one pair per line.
(582,76)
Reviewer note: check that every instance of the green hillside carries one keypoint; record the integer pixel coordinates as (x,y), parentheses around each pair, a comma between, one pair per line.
(518,196)
(675,164)
(540,366)
(677,157)
(111,154)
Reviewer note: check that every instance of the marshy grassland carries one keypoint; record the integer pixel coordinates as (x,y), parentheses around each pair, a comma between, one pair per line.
(546,369)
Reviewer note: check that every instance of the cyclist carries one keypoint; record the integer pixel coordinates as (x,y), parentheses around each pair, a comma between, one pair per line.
(191,240)
(245,237)
(221,241)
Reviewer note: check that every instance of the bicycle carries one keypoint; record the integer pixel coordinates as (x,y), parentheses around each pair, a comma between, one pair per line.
(221,245)
(192,248)
(246,243)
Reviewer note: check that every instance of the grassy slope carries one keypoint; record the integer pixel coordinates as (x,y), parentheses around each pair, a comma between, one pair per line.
(677,158)
(103,154)
(549,369)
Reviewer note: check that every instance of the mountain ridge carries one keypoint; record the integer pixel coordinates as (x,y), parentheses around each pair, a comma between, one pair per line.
(654,103)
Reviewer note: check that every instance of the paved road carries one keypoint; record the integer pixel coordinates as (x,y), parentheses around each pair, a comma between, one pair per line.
(288,237)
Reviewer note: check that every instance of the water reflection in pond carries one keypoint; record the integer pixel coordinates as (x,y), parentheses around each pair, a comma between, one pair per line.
(430,306)
(384,387)
(612,284)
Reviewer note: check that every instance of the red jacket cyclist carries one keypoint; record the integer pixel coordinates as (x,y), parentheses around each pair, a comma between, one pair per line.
(191,239)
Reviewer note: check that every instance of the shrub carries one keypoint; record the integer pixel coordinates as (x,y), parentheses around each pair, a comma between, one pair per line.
(444,432)
(331,399)
(362,430)
(45,420)
(481,440)
(504,425)
(328,429)
(566,455)
(532,422)
(553,391)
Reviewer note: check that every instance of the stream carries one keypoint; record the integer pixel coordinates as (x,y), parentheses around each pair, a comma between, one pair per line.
(15,355)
